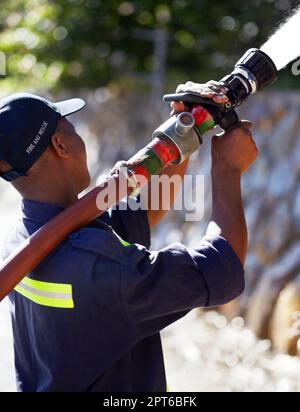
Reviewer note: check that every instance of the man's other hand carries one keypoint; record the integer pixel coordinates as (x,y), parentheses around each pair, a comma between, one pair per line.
(235,150)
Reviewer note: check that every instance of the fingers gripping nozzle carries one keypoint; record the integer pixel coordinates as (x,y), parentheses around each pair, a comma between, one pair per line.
(180,130)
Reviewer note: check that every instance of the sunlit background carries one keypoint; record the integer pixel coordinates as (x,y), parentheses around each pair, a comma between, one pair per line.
(121,57)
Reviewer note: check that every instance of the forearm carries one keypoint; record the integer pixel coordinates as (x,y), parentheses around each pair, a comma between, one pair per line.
(228,210)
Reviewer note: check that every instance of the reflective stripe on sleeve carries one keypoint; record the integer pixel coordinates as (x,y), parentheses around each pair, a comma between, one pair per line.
(56,295)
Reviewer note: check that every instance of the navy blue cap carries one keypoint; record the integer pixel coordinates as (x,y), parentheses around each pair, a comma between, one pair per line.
(27,123)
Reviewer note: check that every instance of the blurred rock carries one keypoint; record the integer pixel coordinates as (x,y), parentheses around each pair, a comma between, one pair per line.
(264,297)
(285,324)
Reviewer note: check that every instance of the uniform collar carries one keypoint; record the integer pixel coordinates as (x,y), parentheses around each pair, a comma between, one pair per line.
(39,212)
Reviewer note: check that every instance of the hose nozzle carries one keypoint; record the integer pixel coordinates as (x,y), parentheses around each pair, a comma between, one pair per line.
(252,72)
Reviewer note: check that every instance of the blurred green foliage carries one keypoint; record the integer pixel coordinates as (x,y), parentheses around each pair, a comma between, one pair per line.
(68,44)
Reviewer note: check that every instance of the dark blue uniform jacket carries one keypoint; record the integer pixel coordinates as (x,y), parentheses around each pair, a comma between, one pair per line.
(88,318)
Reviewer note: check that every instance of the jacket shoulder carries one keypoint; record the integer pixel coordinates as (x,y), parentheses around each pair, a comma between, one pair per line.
(102,242)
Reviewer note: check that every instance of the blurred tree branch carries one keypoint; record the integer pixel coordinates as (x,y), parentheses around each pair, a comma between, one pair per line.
(89,43)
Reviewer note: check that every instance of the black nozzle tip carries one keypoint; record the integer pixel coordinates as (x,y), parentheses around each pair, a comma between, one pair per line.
(260,65)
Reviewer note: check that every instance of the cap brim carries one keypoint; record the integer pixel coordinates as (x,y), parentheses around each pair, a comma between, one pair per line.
(70,106)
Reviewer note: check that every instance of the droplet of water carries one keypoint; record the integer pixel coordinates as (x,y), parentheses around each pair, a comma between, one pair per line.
(238,322)
(220,322)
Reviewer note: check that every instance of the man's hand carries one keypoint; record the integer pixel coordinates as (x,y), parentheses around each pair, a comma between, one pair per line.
(211,90)
(235,150)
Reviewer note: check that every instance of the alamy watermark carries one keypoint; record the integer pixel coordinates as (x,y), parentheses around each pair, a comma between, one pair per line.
(157,196)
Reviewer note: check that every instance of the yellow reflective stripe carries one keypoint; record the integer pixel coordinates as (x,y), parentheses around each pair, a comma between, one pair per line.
(56,295)
(124,243)
(53,302)
(47,286)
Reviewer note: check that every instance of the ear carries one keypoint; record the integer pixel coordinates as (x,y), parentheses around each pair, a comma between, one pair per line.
(4,167)
(59,145)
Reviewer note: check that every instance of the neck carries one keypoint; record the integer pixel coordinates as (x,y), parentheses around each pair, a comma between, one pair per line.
(57,192)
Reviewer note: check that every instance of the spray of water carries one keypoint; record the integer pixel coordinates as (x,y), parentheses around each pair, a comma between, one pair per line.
(284,45)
